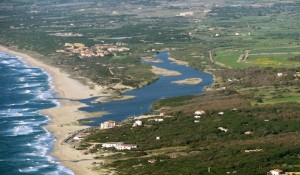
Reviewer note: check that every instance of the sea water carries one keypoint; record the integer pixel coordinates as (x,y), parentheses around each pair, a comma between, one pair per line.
(25,145)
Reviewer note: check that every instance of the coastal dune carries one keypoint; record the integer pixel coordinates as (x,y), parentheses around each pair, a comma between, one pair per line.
(63,116)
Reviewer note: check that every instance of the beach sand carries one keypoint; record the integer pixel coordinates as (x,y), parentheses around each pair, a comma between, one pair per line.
(164,72)
(64,115)
(189,81)
(179,61)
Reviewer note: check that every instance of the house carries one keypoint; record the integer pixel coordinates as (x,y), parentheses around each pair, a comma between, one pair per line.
(159,119)
(279,74)
(200,112)
(248,133)
(223,129)
(186,14)
(275,172)
(152,161)
(111,144)
(197,116)
(78,138)
(292,173)
(197,121)
(253,150)
(157,138)
(125,146)
(108,124)
(221,113)
(137,123)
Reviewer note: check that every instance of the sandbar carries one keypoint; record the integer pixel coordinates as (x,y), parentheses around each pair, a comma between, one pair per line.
(179,61)
(164,72)
(189,81)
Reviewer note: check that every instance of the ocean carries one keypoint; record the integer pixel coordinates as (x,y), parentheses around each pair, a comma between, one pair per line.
(25,145)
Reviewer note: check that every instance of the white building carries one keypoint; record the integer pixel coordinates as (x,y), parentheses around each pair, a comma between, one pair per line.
(200,112)
(108,124)
(111,144)
(186,14)
(275,172)
(223,129)
(159,119)
(125,146)
(137,123)
(221,113)
(279,74)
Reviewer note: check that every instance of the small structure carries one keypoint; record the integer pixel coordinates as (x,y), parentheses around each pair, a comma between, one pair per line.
(248,133)
(152,161)
(184,14)
(275,172)
(108,124)
(223,129)
(159,119)
(111,144)
(125,146)
(157,138)
(162,114)
(200,112)
(137,123)
(279,74)
(221,113)
(197,121)
(253,150)
(292,173)
(197,116)
(78,138)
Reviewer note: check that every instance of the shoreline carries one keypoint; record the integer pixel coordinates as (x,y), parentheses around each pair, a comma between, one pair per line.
(63,116)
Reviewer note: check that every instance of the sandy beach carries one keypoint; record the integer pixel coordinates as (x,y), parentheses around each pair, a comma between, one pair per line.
(64,116)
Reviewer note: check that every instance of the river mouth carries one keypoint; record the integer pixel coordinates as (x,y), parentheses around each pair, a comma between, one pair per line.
(164,87)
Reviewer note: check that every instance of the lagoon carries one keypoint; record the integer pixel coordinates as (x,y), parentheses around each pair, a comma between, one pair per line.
(146,96)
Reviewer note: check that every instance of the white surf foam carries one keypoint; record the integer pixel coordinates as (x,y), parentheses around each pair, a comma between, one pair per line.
(22,79)
(29,169)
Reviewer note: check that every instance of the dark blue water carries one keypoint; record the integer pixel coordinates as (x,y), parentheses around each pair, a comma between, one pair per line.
(144,97)
(24,143)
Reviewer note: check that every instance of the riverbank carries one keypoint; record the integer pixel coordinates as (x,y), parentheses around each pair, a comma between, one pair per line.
(64,116)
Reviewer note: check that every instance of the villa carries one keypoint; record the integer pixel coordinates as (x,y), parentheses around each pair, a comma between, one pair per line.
(108,124)
(119,145)
(125,146)
(111,144)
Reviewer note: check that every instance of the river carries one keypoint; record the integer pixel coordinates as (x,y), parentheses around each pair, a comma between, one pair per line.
(144,97)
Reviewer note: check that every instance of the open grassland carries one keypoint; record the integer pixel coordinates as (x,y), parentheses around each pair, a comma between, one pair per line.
(230,59)
(271,38)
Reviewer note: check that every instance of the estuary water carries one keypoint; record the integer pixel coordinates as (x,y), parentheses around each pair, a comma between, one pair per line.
(25,145)
(144,97)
